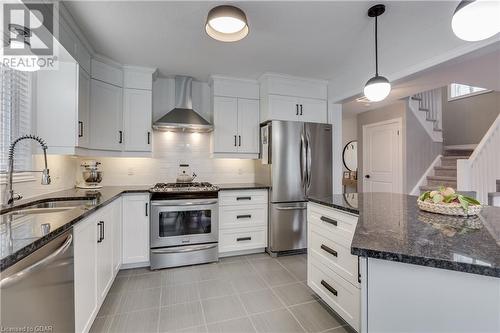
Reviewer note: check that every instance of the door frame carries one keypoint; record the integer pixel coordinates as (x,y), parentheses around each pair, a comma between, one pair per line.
(399,122)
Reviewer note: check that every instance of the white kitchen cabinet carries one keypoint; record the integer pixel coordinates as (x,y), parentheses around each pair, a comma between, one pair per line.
(106,73)
(57,107)
(116,207)
(105,269)
(106,107)
(236,126)
(242,221)
(83,108)
(290,98)
(135,229)
(85,235)
(137,113)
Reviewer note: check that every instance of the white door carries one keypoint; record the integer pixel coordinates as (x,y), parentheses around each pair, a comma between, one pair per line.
(85,246)
(135,217)
(137,111)
(383,157)
(248,126)
(105,253)
(83,108)
(106,101)
(226,124)
(312,110)
(283,108)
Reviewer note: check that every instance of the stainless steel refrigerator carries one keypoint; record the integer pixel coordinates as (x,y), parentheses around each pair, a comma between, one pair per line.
(297,161)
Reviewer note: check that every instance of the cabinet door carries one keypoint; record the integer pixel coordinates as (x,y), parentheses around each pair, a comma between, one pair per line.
(105,253)
(283,107)
(106,116)
(83,108)
(248,126)
(117,234)
(137,109)
(225,124)
(135,215)
(313,110)
(85,247)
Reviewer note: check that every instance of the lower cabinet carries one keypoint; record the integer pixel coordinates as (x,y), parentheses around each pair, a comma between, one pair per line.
(242,221)
(95,261)
(332,271)
(136,229)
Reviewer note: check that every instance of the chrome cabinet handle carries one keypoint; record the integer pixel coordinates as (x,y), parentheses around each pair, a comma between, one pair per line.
(328,220)
(149,138)
(100,232)
(243,198)
(296,109)
(8,281)
(240,239)
(147,214)
(329,250)
(80,129)
(121,136)
(239,138)
(328,287)
(301,109)
(248,216)
(184,249)
(235,140)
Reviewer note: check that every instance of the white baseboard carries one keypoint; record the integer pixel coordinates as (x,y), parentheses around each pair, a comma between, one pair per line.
(423,179)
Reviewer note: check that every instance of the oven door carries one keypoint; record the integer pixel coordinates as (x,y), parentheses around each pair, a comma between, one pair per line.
(183,222)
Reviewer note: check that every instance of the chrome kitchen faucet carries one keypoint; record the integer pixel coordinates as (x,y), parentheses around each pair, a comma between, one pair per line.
(45,172)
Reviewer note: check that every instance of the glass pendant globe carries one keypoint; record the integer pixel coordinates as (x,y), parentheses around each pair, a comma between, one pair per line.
(476,20)
(377,88)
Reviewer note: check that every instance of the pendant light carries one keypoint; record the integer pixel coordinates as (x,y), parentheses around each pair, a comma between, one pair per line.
(226,24)
(378,87)
(476,20)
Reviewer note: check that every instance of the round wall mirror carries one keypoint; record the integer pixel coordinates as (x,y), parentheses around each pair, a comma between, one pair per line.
(350,155)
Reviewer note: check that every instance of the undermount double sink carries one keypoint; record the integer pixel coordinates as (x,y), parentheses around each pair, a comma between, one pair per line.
(52,206)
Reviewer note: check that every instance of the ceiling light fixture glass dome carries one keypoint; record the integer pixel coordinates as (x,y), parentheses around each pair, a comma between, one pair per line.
(378,87)
(226,24)
(476,20)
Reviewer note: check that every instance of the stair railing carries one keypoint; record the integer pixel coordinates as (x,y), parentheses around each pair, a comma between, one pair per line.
(481,170)
(427,107)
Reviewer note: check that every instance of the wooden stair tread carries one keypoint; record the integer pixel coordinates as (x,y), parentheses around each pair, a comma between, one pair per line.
(445,167)
(443,178)
(453,157)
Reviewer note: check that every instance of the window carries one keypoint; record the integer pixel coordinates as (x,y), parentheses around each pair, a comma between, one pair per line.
(15,118)
(457,91)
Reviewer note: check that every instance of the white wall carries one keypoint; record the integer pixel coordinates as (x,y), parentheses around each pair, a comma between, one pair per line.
(169,150)
(349,131)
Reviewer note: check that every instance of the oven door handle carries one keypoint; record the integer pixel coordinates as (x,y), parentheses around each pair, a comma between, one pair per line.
(177,204)
(185,249)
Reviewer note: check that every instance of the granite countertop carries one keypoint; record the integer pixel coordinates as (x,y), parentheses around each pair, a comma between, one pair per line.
(242,186)
(391,227)
(21,235)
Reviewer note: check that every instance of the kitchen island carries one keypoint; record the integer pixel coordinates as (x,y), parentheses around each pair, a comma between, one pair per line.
(417,271)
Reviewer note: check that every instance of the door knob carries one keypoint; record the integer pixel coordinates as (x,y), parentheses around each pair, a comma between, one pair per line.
(367,176)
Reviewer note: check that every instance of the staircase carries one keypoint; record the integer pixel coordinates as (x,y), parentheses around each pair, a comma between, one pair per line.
(427,107)
(445,174)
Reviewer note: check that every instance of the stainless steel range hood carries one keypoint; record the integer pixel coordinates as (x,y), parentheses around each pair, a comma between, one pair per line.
(183,118)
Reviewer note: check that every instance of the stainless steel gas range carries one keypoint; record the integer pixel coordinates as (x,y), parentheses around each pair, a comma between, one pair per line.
(184,224)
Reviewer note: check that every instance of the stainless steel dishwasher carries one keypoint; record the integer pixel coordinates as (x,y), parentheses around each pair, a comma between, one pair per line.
(37,293)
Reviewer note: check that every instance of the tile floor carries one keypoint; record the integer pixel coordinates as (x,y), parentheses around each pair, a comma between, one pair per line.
(254,293)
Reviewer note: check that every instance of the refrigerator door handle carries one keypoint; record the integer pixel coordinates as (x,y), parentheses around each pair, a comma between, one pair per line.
(308,162)
(303,162)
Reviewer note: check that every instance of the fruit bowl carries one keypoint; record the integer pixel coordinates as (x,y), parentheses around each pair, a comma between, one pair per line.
(446,201)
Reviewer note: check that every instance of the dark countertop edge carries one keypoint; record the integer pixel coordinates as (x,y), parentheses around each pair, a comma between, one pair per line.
(22,253)
(428,262)
(242,186)
(351,210)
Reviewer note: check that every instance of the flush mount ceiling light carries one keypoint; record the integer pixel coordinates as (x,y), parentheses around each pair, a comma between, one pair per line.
(476,20)
(378,87)
(226,23)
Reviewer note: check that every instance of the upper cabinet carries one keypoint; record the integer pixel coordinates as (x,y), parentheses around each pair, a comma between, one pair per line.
(293,99)
(235,105)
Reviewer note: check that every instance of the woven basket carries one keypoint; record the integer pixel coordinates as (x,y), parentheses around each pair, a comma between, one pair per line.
(448,209)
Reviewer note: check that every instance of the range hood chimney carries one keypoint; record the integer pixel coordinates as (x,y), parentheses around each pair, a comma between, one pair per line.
(182,118)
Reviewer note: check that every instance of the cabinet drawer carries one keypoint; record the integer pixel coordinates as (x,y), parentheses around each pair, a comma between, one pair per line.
(339,294)
(340,223)
(336,255)
(242,216)
(246,197)
(242,239)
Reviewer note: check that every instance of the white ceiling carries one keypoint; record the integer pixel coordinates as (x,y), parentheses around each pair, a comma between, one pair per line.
(327,40)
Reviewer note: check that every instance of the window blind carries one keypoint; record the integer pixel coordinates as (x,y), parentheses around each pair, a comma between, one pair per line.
(15,116)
